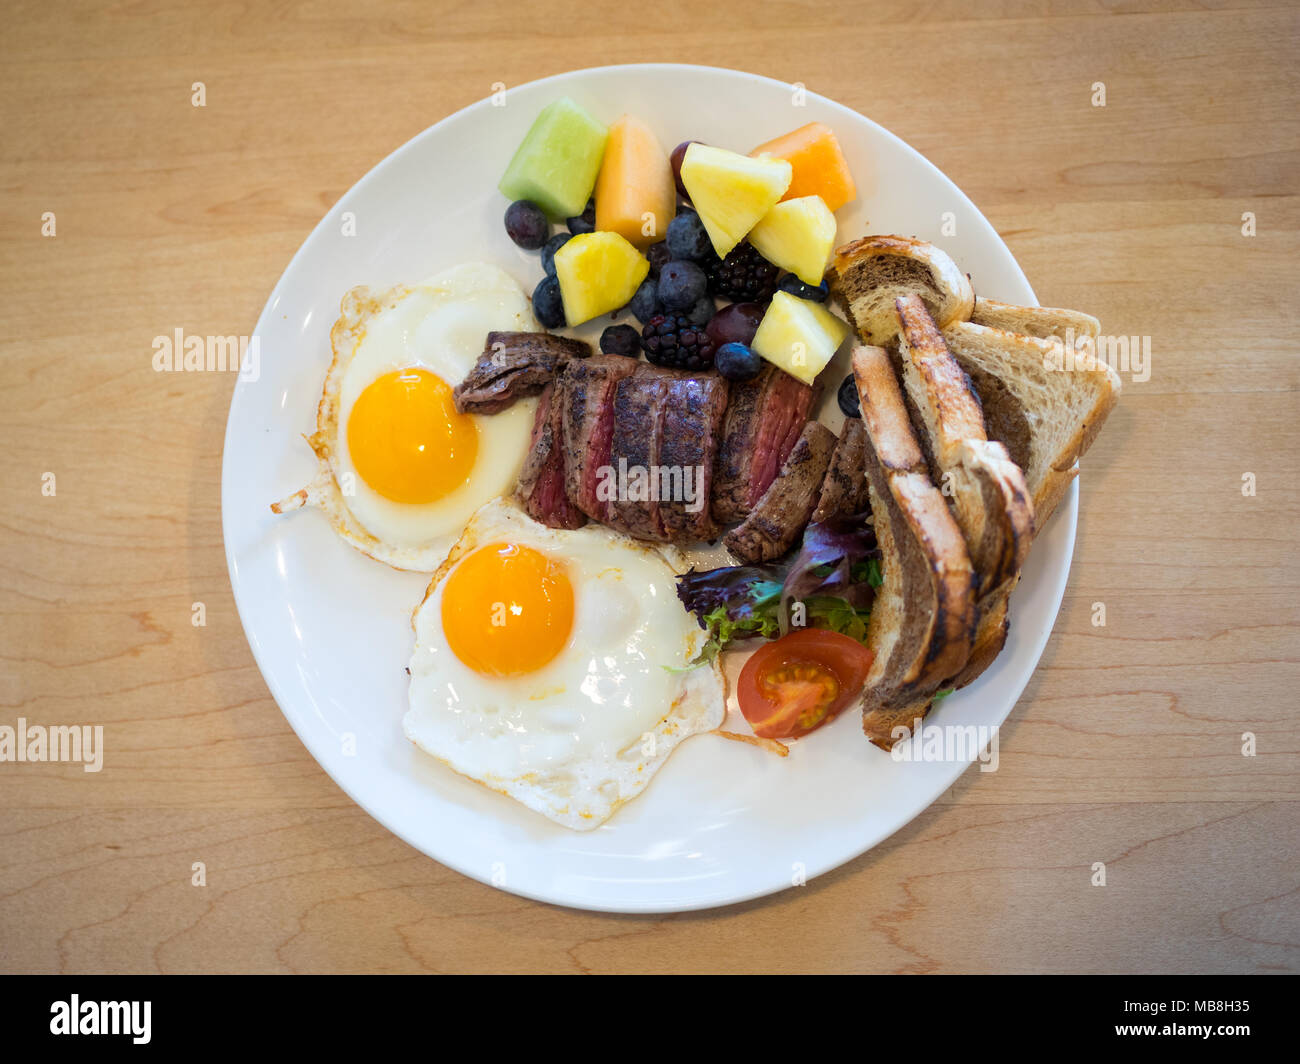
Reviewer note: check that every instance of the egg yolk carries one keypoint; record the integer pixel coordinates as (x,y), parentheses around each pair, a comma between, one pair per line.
(507,610)
(407,440)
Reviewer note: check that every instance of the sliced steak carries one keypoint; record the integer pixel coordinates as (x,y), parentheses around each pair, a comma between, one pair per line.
(514,365)
(634,453)
(691,429)
(587,420)
(844,491)
(541,481)
(783,511)
(764,418)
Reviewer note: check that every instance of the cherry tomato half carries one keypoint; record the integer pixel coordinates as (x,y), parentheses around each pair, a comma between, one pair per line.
(800,681)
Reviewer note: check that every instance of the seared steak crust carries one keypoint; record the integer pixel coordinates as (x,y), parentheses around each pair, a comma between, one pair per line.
(514,365)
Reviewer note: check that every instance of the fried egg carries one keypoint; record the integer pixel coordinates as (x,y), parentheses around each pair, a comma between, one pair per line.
(550,665)
(400,470)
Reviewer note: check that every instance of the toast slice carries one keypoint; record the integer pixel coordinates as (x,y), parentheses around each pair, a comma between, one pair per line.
(1043,322)
(923,618)
(867,275)
(984,488)
(1043,403)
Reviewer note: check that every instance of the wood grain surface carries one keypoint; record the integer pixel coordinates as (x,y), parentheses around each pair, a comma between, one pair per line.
(1126,748)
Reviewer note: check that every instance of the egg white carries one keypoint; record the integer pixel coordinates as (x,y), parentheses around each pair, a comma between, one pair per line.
(439,325)
(585,733)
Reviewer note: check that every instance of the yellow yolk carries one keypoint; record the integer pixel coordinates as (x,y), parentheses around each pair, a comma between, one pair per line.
(407,440)
(507,610)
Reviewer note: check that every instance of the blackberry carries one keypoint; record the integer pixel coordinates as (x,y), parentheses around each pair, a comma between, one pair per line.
(671,341)
(744,276)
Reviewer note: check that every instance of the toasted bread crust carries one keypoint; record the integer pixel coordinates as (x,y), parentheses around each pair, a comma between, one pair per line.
(868,273)
(923,621)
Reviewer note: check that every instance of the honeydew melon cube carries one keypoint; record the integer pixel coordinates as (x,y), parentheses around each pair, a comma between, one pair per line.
(799,336)
(556,164)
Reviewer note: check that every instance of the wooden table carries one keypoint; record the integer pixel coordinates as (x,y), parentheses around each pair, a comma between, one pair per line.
(1125,749)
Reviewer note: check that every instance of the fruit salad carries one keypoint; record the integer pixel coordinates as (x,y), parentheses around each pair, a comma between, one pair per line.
(718,255)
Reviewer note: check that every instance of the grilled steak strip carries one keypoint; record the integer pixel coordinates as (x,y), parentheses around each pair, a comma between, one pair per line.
(764,418)
(541,481)
(634,454)
(691,426)
(844,491)
(783,511)
(514,365)
(587,420)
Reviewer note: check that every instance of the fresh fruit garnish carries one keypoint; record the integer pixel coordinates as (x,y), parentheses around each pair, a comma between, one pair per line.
(675,161)
(526,225)
(671,341)
(820,168)
(597,272)
(584,222)
(847,397)
(548,307)
(800,681)
(790,283)
(701,313)
(659,256)
(731,192)
(797,235)
(621,340)
(737,362)
(556,164)
(799,336)
(744,276)
(681,285)
(644,305)
(635,196)
(736,323)
(688,239)
(550,248)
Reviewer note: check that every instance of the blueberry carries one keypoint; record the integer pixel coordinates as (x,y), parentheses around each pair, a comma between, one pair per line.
(702,313)
(550,248)
(547,304)
(737,362)
(848,398)
(644,305)
(790,283)
(584,222)
(681,285)
(688,239)
(621,340)
(658,256)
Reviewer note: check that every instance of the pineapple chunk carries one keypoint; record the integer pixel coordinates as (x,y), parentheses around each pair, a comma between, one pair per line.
(799,336)
(598,272)
(797,235)
(732,192)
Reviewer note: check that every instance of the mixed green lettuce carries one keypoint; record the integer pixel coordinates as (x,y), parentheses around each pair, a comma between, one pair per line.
(830,582)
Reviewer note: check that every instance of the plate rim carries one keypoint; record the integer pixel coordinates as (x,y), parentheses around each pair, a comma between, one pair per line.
(1067,511)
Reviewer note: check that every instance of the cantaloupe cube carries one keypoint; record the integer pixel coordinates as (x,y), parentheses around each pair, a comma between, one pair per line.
(635,194)
(556,164)
(820,168)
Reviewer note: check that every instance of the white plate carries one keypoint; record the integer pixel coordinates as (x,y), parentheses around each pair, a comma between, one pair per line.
(722,822)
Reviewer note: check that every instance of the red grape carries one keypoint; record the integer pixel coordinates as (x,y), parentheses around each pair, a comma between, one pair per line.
(735,323)
(678,154)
